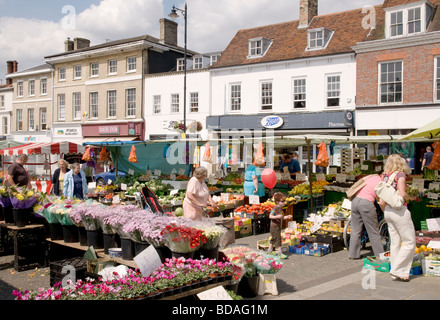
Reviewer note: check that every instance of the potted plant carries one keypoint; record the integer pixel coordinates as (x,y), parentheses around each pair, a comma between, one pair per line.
(182,239)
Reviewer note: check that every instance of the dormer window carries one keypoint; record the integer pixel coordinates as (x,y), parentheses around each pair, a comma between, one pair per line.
(319,38)
(180,65)
(407,20)
(198,62)
(258,47)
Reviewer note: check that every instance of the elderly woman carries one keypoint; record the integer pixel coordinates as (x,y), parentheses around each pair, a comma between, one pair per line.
(197,195)
(75,183)
(58,177)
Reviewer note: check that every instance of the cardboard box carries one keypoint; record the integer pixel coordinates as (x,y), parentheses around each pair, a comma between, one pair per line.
(246,230)
(374,263)
(431,267)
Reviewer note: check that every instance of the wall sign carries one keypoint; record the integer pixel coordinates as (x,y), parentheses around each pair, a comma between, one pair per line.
(272,122)
(105,130)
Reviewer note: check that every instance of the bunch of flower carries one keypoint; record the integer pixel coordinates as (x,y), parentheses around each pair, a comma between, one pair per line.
(119,217)
(86,214)
(178,126)
(22,198)
(138,222)
(267,264)
(213,234)
(5,199)
(182,239)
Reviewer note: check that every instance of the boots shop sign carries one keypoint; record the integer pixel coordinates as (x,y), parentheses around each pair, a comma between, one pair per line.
(272,122)
(108,130)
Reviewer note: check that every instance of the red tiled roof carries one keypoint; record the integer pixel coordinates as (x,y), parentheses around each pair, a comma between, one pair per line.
(289,42)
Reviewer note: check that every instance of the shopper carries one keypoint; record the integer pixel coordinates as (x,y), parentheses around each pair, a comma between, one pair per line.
(252,182)
(400,224)
(276,219)
(17,174)
(291,163)
(75,183)
(427,158)
(364,213)
(58,177)
(197,195)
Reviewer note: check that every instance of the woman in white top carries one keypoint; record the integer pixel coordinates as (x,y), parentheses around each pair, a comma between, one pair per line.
(58,177)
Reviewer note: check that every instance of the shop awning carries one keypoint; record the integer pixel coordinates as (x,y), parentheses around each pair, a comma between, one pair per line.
(44,148)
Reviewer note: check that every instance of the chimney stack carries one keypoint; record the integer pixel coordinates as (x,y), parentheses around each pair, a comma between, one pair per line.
(80,43)
(307,10)
(68,45)
(168,32)
(12,66)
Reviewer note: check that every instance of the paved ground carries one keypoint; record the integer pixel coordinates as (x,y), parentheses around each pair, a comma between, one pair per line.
(331,277)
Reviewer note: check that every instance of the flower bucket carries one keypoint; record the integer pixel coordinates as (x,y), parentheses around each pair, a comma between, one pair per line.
(127,246)
(163,252)
(95,239)
(248,286)
(109,242)
(209,253)
(21,217)
(186,255)
(56,231)
(139,247)
(8,215)
(70,234)
(82,236)
(2,218)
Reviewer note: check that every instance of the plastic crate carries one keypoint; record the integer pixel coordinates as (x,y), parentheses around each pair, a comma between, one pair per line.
(56,269)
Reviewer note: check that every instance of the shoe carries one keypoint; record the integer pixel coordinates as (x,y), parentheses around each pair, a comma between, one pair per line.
(396,278)
(283,256)
(355,258)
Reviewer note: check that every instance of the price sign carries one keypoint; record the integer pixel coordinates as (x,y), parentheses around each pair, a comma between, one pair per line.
(225,197)
(130,171)
(174,171)
(341,177)
(91,185)
(285,176)
(226,183)
(434,186)
(378,168)
(234,168)
(346,204)
(419,183)
(432,195)
(157,172)
(173,192)
(300,177)
(333,170)
(433,224)
(212,181)
(148,261)
(254,199)
(330,211)
(123,186)
(320,177)
(109,182)
(181,171)
(116,199)
(434,244)
(217,293)
(365,167)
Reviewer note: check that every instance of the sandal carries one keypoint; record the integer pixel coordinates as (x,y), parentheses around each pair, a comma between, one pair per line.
(396,278)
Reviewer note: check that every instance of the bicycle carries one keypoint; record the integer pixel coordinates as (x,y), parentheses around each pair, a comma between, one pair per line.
(383,231)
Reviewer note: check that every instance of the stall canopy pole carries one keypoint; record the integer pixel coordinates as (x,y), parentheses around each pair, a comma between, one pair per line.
(309,166)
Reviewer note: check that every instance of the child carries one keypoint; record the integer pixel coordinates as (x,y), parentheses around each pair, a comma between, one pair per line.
(276,217)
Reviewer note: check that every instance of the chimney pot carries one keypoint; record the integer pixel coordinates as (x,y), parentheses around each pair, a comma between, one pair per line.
(80,43)
(307,10)
(168,32)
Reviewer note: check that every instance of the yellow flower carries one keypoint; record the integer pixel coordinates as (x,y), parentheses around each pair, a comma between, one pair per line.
(20,197)
(30,193)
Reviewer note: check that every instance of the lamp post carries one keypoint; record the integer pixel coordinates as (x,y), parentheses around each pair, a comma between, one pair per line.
(174,15)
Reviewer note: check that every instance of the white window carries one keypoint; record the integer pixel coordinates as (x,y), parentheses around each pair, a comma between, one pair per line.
(111,103)
(198,63)
(20,88)
(31,88)
(131,102)
(235,97)
(414,20)
(180,65)
(93,104)
(156,104)
(437,79)
(43,86)
(131,64)
(61,102)
(194,102)
(333,91)
(266,95)
(2,101)
(94,69)
(19,120)
(391,83)
(112,67)
(318,38)
(5,125)
(62,74)
(407,21)
(77,105)
(43,119)
(214,58)
(175,103)
(77,72)
(31,120)
(299,93)
(396,25)
(258,47)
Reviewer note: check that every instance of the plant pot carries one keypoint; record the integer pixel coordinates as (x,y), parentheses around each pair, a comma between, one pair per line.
(21,217)
(127,246)
(139,247)
(109,242)
(56,231)
(82,236)
(163,252)
(248,286)
(2,217)
(186,255)
(8,215)
(232,287)
(95,239)
(209,253)
(70,234)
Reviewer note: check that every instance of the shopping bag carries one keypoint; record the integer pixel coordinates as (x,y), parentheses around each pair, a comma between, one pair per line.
(323,157)
(435,163)
(386,192)
(103,156)
(207,154)
(259,157)
(355,188)
(132,157)
(87,156)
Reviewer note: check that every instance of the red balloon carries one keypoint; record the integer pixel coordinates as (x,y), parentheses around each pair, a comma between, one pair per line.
(269,178)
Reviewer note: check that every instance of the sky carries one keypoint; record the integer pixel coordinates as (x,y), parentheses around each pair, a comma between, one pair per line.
(31,30)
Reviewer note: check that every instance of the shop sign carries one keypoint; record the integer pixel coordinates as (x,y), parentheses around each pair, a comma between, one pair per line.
(108,130)
(68,132)
(272,122)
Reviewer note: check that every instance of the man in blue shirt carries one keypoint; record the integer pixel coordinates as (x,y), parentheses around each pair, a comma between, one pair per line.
(291,163)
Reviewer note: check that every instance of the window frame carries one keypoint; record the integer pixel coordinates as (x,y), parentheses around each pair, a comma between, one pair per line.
(110,66)
(112,104)
(436,89)
(264,106)
(198,62)
(131,64)
(77,72)
(175,103)
(326,36)
(94,104)
(43,86)
(303,87)
(31,119)
(180,64)
(61,108)
(157,104)
(43,111)
(92,69)
(2,101)
(76,97)
(333,90)
(194,102)
(20,89)
(405,10)
(31,87)
(379,81)
(19,123)
(130,112)
(62,72)
(232,97)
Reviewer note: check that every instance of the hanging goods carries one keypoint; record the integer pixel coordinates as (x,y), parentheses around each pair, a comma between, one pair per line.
(259,157)
(435,162)
(207,154)
(132,158)
(87,156)
(323,158)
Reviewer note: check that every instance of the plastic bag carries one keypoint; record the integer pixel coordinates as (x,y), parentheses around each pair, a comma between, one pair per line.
(259,157)
(132,157)
(435,163)
(207,154)
(323,157)
(87,156)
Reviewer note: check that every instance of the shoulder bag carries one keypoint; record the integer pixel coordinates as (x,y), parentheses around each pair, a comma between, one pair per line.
(386,192)
(355,188)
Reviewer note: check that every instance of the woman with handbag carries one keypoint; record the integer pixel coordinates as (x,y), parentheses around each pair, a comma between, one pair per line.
(364,213)
(400,225)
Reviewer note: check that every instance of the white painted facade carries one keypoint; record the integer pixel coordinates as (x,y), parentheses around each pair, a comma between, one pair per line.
(5,110)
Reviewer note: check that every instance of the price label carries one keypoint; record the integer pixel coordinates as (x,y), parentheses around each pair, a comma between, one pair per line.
(285,176)
(346,204)
(148,261)
(173,192)
(116,199)
(91,185)
(419,183)
(330,211)
(174,171)
(434,244)
(300,177)
(333,170)
(181,171)
(434,186)
(123,186)
(433,224)
(279,176)
(234,168)
(378,168)
(432,195)
(217,293)
(320,177)
(157,172)
(226,183)
(130,171)
(254,199)
(109,182)
(212,181)
(365,167)
(340,177)
(225,197)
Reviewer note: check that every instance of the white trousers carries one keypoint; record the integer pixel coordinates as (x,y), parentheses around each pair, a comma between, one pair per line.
(402,240)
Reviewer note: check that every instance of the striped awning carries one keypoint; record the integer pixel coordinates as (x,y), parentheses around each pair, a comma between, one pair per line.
(44,148)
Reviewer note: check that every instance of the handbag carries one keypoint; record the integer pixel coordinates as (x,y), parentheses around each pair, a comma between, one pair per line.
(355,188)
(386,192)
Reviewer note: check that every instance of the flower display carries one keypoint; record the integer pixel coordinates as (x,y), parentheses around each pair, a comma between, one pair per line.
(213,234)
(192,127)
(22,198)
(5,199)
(86,214)
(182,239)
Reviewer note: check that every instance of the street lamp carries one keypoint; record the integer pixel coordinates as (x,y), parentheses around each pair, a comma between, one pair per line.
(175,15)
